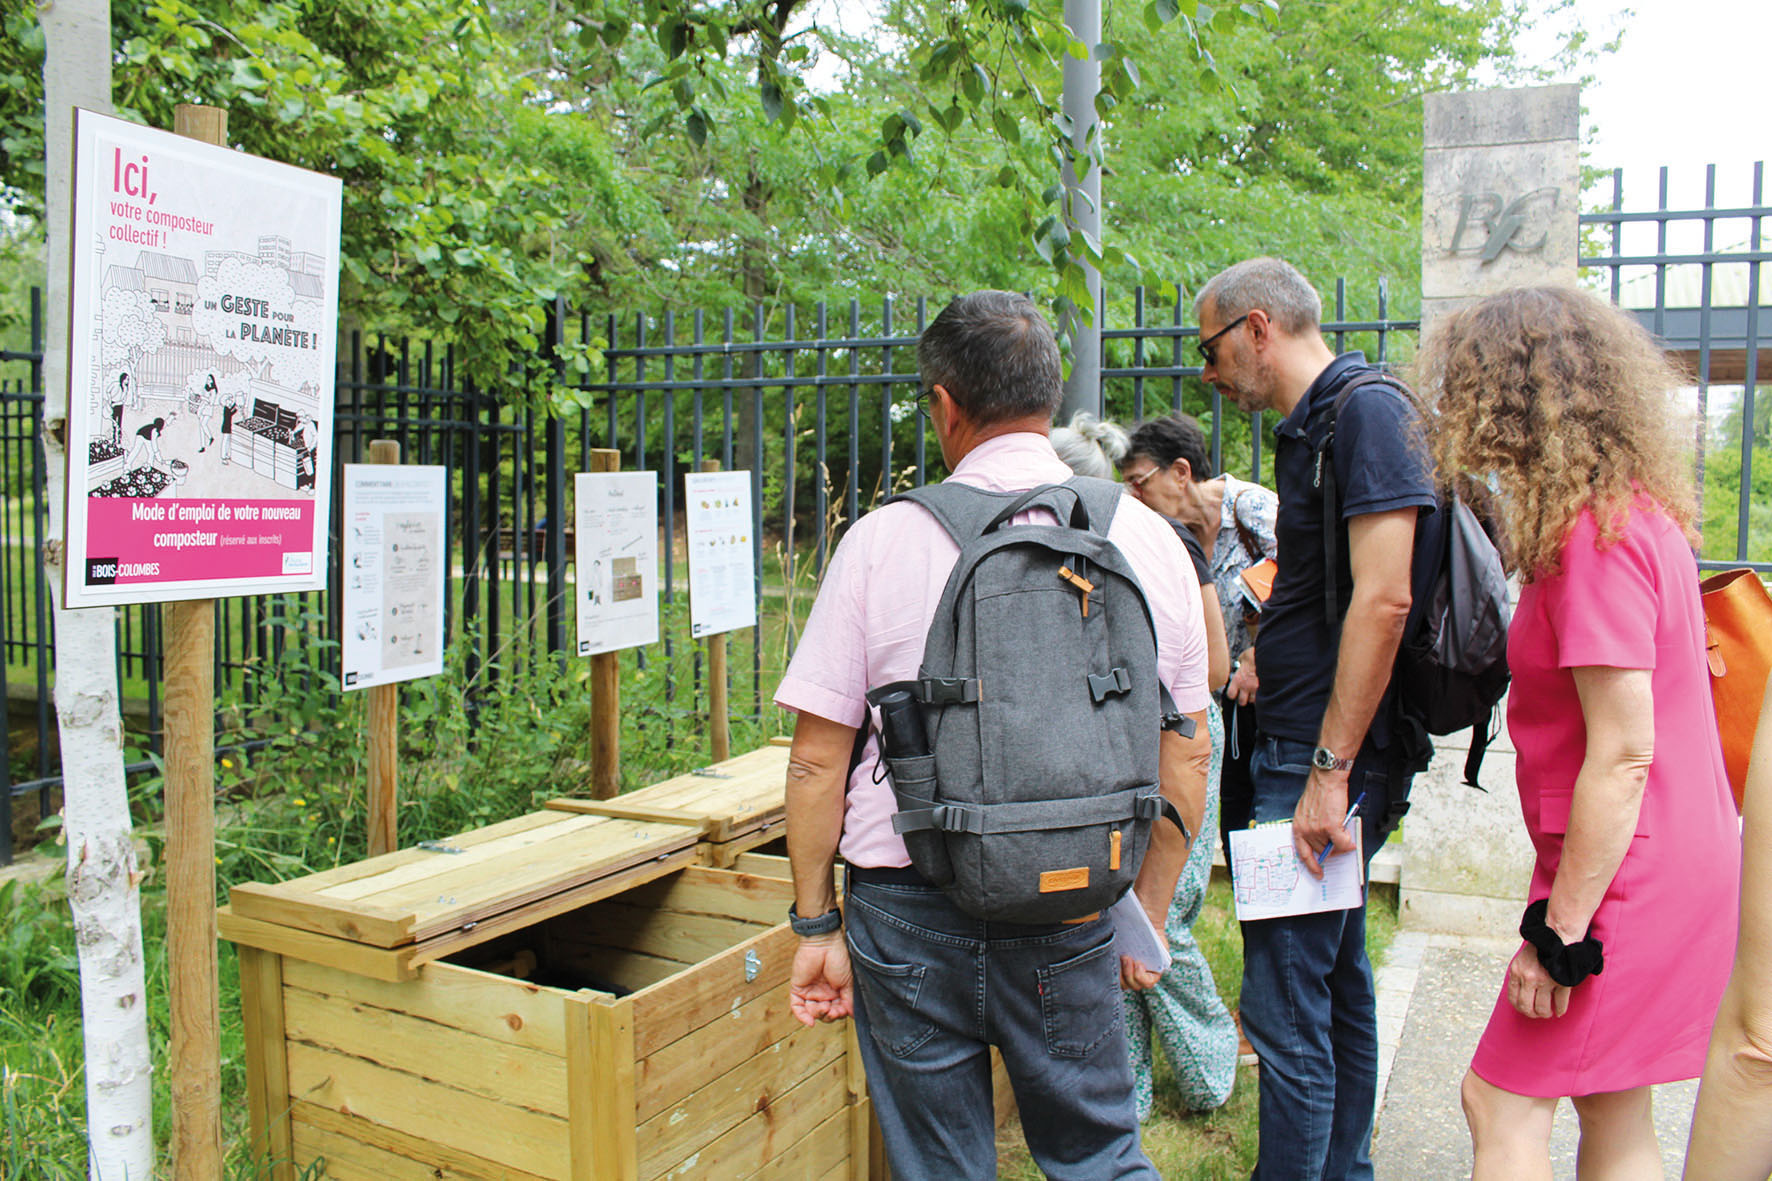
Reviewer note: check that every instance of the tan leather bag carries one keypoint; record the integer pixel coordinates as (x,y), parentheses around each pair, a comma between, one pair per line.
(1738,645)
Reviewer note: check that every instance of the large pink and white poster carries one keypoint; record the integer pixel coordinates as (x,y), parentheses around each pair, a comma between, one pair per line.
(202,353)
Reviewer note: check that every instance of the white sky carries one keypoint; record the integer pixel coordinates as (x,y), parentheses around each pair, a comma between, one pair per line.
(1687,88)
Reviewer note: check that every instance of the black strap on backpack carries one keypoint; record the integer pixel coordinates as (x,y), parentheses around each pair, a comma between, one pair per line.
(1323,478)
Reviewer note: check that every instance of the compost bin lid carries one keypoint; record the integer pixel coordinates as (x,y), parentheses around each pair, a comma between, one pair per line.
(438,889)
(723,801)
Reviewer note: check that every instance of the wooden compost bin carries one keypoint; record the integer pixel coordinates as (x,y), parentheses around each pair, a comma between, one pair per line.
(387,1031)
(735,806)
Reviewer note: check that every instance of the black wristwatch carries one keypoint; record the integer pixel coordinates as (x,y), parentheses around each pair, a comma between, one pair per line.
(1323,759)
(824,924)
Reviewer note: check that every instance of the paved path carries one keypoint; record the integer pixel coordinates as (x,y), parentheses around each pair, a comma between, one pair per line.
(1435,993)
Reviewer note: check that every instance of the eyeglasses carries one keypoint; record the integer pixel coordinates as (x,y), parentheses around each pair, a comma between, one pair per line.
(1137,483)
(923,398)
(1209,347)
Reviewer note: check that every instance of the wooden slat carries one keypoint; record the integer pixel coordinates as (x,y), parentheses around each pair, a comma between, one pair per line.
(717,892)
(630,971)
(371,866)
(747,1086)
(527,916)
(581,1088)
(611,1055)
(493,1069)
(320,1126)
(749,793)
(778,1126)
(823,1152)
(267,1063)
(416,900)
(725,854)
(672,1008)
(513,1011)
(863,1130)
(374,962)
(764,865)
(673,1071)
(781,740)
(661,932)
(360,922)
(427,1111)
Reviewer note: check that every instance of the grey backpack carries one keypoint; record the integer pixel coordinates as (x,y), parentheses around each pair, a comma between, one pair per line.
(1024,755)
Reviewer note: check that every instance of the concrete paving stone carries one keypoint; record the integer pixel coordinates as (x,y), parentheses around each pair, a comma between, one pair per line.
(1420,1131)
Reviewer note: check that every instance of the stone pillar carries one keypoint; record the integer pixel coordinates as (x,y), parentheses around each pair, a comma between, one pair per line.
(1500,209)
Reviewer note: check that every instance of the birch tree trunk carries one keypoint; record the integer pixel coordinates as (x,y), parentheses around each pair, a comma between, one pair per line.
(102,872)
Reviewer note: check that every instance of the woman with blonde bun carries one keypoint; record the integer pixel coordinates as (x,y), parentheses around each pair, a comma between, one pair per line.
(1198,1033)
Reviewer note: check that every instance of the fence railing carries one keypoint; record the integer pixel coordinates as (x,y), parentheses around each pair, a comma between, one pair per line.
(816,404)
(1692,275)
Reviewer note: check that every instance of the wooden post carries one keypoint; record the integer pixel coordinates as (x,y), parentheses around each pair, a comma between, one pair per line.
(605,688)
(384,730)
(719,712)
(194,1068)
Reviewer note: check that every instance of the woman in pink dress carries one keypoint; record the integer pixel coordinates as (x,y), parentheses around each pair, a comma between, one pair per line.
(1566,405)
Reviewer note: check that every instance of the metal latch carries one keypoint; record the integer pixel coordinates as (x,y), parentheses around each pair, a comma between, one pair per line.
(439,847)
(710,773)
(753,964)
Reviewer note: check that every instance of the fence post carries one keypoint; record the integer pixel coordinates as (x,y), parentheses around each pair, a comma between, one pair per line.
(719,709)
(554,542)
(384,730)
(605,688)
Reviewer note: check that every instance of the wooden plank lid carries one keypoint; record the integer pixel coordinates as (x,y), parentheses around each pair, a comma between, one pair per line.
(723,801)
(442,888)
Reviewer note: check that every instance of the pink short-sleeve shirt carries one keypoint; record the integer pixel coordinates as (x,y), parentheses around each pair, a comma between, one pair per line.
(880,592)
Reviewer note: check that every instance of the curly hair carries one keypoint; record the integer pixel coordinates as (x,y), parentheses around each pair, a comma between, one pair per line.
(1565,402)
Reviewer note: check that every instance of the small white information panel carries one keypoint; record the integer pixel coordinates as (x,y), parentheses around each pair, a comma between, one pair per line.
(395,555)
(617,560)
(722,573)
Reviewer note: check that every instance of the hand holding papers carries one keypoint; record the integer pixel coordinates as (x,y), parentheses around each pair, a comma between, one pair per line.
(1270,882)
(1134,936)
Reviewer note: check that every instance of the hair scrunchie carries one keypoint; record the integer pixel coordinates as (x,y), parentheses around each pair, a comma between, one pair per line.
(1568,963)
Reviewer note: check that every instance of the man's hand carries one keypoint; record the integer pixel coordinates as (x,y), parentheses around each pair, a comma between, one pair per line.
(1135,977)
(1316,822)
(1244,682)
(821,987)
(1530,989)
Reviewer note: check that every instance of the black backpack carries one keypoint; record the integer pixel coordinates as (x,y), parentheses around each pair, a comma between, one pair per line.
(1451,670)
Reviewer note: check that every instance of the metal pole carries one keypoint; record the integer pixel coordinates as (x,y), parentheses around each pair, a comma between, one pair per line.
(1082,81)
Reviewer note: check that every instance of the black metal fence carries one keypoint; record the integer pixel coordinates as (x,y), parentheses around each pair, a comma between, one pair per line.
(817,407)
(1692,275)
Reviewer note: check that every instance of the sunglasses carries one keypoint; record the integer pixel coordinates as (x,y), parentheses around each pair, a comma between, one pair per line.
(1209,347)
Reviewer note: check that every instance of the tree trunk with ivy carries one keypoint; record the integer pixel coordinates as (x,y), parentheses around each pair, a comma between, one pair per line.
(103,878)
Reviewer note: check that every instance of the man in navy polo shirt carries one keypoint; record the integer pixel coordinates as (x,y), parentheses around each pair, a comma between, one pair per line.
(1307,1004)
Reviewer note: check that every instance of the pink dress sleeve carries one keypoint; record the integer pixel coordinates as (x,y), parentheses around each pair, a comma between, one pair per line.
(1604,605)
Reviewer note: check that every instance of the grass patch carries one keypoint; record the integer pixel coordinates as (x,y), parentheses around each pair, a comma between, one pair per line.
(1215,1145)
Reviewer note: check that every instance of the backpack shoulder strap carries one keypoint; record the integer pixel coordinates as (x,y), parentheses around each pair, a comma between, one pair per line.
(1323,477)
(964,511)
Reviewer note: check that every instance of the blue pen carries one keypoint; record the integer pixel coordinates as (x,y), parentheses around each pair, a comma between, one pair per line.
(1345,821)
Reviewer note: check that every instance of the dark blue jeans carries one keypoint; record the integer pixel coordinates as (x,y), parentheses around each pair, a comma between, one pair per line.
(936,988)
(1307,1004)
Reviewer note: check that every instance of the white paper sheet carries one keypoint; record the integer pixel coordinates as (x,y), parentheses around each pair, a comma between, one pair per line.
(616,573)
(1134,935)
(1269,881)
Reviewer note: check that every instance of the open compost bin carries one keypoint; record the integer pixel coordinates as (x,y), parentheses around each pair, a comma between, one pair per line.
(557,996)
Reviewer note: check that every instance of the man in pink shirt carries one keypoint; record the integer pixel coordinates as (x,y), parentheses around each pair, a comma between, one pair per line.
(937,988)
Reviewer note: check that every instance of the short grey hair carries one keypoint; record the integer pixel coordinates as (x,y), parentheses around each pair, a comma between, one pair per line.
(995,355)
(1090,446)
(1271,284)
